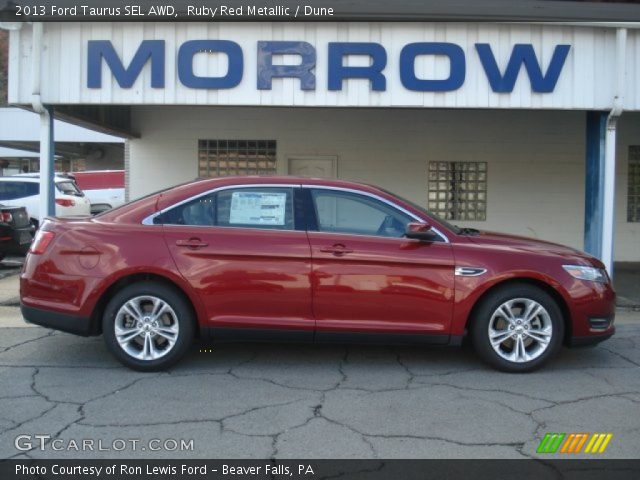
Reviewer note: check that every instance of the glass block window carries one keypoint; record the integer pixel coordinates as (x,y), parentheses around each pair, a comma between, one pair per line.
(458,190)
(221,158)
(633,185)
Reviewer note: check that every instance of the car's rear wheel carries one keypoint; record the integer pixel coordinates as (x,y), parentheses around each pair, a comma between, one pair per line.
(517,328)
(148,326)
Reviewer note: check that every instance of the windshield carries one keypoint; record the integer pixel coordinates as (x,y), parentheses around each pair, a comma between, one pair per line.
(454,228)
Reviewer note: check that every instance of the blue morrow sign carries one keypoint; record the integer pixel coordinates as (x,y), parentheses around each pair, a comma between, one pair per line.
(153,51)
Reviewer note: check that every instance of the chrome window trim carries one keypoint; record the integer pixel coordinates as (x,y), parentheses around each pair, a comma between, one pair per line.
(444,238)
(149,219)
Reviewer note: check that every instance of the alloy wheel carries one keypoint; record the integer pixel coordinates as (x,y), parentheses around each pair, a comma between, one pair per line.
(520,330)
(146,327)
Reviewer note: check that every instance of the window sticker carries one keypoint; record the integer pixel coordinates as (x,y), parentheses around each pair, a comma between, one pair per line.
(257,208)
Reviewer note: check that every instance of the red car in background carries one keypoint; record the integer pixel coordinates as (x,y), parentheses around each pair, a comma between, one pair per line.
(259,258)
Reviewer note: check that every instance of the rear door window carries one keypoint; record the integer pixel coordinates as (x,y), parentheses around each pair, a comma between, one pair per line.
(254,207)
(16,190)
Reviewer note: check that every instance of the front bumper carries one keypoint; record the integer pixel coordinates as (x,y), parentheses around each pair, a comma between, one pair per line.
(57,321)
(591,339)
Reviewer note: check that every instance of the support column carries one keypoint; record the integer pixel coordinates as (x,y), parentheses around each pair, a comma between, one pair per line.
(601,194)
(47,151)
(594,186)
(609,190)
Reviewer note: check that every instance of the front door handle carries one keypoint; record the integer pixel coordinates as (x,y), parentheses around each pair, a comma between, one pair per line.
(337,249)
(191,243)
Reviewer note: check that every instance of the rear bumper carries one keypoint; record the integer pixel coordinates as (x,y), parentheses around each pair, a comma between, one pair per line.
(16,241)
(57,321)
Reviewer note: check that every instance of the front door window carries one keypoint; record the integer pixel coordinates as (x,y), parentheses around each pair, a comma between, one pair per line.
(351,213)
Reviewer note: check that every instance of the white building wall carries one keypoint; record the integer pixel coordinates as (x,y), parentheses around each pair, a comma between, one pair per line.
(536,159)
(627,239)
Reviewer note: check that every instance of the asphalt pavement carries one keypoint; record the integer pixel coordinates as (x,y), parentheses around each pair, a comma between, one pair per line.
(307,401)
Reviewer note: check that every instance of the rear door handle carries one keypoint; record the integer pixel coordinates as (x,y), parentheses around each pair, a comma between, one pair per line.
(337,249)
(191,243)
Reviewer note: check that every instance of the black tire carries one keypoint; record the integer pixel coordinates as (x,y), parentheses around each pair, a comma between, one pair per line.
(184,319)
(479,327)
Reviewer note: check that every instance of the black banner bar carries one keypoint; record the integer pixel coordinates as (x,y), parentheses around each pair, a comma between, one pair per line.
(316,10)
(525,469)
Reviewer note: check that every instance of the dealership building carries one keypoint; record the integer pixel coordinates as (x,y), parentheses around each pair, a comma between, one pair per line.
(526,128)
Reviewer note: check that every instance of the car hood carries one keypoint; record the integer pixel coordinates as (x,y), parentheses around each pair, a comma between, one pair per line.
(526,244)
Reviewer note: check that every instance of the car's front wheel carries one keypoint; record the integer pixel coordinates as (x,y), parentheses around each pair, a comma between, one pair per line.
(148,326)
(517,328)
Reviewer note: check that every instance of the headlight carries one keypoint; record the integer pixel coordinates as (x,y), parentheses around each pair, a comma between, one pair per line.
(591,274)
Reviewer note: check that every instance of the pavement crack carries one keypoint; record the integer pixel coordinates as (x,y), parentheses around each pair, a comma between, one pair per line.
(343,361)
(80,367)
(406,368)
(489,390)
(31,340)
(151,424)
(279,384)
(31,419)
(619,355)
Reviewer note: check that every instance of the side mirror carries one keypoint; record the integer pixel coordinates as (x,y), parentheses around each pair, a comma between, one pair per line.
(420,231)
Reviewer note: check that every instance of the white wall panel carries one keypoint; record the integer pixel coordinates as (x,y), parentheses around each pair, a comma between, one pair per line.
(586,81)
(536,166)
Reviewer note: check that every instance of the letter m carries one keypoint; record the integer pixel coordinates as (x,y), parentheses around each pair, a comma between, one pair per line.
(522,53)
(103,49)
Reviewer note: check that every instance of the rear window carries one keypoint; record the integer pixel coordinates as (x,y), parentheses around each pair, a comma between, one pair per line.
(15,190)
(68,187)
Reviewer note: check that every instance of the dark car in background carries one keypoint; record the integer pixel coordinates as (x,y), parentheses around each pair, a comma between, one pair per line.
(16,231)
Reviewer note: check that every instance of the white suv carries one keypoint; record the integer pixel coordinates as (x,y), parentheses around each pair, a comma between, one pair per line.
(24,191)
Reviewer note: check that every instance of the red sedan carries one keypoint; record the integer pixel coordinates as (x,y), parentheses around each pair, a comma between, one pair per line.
(255,258)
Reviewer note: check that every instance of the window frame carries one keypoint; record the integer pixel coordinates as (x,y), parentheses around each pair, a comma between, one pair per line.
(226,147)
(460,208)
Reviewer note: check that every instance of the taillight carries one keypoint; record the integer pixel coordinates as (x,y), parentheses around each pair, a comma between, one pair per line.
(65,202)
(6,217)
(41,242)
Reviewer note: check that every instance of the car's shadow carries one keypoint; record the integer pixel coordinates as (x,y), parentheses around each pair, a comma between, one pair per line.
(60,350)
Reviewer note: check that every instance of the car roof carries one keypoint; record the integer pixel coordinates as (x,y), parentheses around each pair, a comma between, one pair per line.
(201,186)
(33,177)
(282,179)
(95,172)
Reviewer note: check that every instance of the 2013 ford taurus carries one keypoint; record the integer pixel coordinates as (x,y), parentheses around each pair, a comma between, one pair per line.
(260,258)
